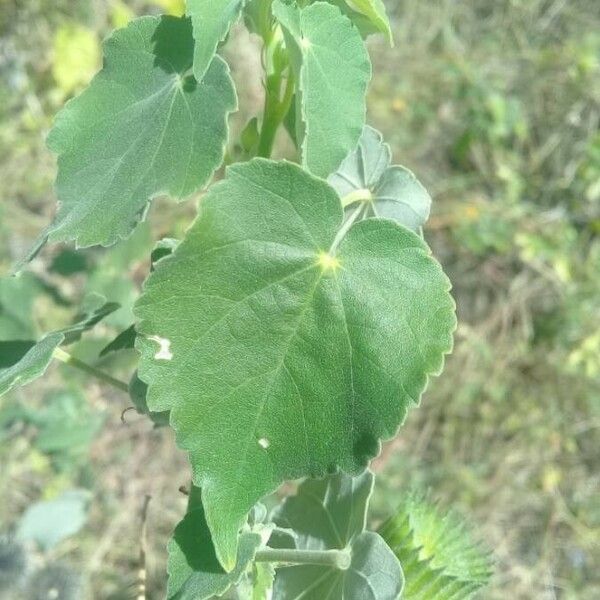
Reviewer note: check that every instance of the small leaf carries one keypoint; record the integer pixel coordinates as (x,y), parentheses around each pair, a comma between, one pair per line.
(333,69)
(327,515)
(21,362)
(283,347)
(440,559)
(211,20)
(49,522)
(144,127)
(374,11)
(194,571)
(124,341)
(391,191)
(27,362)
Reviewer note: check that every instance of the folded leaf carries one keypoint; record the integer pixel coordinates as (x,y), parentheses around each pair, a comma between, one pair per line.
(144,127)
(333,71)
(282,347)
(388,191)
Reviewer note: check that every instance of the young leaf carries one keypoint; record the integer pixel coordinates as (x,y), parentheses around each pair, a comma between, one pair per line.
(279,353)
(194,571)
(211,20)
(333,71)
(372,10)
(144,127)
(439,557)
(388,191)
(331,514)
(23,362)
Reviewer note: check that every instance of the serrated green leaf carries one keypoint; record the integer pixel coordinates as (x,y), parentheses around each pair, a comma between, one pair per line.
(49,522)
(279,354)
(211,20)
(439,557)
(392,191)
(194,571)
(327,515)
(28,366)
(333,71)
(143,127)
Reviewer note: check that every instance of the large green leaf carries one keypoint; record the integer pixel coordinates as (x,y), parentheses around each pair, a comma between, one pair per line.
(144,127)
(333,71)
(331,515)
(282,347)
(194,571)
(388,191)
(211,20)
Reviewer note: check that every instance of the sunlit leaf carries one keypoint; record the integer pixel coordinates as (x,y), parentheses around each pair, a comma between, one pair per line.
(284,345)
(333,71)
(388,191)
(143,127)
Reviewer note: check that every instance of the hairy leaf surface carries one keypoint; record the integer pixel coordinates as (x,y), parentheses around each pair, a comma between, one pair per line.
(144,127)
(281,349)
(331,515)
(211,20)
(394,191)
(333,71)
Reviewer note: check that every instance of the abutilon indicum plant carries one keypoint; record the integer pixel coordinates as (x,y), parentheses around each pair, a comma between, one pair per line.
(302,315)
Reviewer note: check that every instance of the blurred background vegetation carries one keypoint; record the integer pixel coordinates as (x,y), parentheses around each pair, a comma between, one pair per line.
(495,104)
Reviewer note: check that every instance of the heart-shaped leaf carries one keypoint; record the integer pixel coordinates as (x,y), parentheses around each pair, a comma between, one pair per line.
(194,571)
(144,127)
(388,191)
(327,515)
(285,342)
(333,71)
(211,20)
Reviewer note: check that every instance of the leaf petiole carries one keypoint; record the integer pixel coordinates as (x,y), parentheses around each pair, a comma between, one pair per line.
(70,360)
(339,559)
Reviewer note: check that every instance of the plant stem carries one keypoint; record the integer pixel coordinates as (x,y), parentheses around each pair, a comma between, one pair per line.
(66,358)
(339,559)
(363,195)
(346,227)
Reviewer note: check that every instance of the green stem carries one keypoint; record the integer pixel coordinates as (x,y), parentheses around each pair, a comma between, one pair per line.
(67,359)
(346,227)
(339,559)
(271,119)
(363,195)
